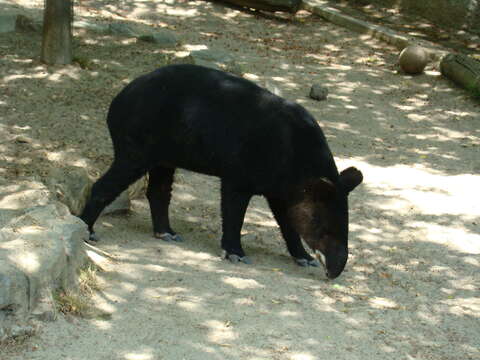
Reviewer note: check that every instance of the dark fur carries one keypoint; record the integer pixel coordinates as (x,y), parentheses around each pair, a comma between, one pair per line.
(218,124)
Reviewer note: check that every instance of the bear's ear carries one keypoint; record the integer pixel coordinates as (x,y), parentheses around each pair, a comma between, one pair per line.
(324,189)
(350,178)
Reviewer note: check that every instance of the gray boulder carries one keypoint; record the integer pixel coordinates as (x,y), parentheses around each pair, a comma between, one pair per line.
(24,23)
(273,88)
(91,26)
(121,29)
(15,199)
(13,22)
(7,23)
(163,38)
(40,251)
(213,58)
(71,187)
(138,189)
(120,205)
(123,202)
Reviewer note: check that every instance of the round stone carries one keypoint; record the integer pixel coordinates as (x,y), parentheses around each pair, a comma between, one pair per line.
(413,59)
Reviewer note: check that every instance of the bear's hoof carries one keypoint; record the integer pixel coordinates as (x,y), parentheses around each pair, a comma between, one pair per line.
(93,239)
(169,237)
(306,262)
(236,259)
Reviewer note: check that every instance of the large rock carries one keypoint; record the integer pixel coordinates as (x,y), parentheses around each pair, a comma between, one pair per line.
(213,58)
(91,26)
(163,38)
(121,29)
(7,23)
(40,251)
(71,187)
(123,202)
(290,6)
(450,14)
(138,189)
(24,23)
(120,205)
(13,22)
(16,198)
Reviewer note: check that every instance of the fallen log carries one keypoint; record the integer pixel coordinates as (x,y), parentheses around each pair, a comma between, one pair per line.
(290,6)
(463,70)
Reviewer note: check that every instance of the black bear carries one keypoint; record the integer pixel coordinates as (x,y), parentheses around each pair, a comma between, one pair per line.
(215,123)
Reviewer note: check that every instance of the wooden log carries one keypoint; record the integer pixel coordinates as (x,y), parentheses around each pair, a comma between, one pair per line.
(463,70)
(290,6)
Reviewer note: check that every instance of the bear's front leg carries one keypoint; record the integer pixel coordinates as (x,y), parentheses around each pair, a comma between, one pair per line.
(290,235)
(234,205)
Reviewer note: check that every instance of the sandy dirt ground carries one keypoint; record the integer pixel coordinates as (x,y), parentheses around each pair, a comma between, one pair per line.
(411,287)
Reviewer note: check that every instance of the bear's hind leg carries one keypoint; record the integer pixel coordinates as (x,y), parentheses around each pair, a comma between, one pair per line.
(159,193)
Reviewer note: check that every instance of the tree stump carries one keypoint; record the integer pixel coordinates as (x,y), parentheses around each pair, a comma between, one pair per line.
(463,70)
(290,6)
(57,32)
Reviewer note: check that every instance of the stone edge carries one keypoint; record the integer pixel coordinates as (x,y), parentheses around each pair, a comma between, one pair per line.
(379,32)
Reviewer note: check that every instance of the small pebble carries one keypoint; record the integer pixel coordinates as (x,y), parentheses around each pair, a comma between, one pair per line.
(318,92)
